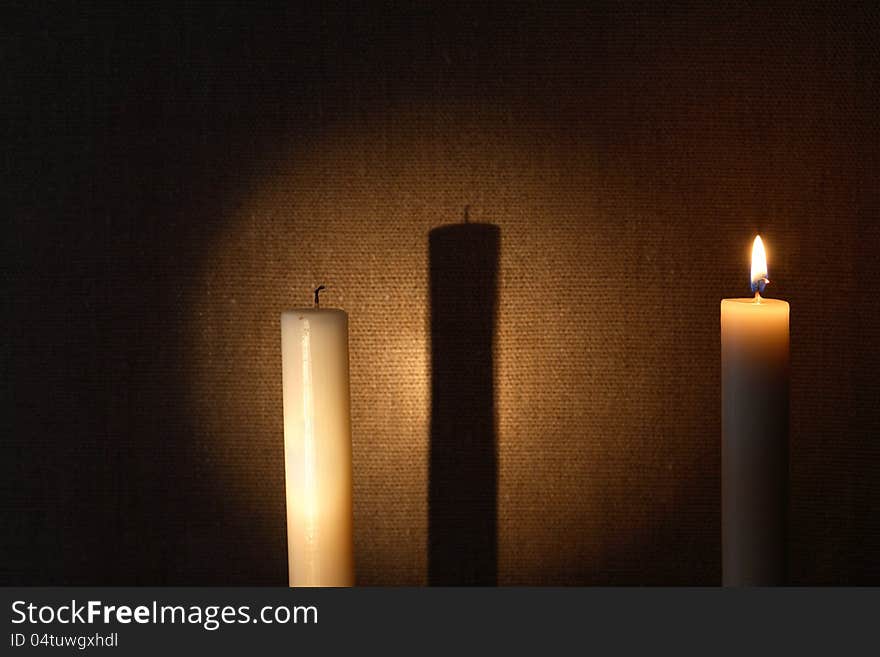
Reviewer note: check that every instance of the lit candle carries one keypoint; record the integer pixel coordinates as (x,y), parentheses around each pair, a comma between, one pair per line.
(317,446)
(755,384)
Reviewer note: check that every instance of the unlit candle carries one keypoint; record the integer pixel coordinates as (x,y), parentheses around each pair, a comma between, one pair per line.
(317,447)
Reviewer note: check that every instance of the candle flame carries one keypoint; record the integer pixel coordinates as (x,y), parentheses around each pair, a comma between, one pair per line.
(759,266)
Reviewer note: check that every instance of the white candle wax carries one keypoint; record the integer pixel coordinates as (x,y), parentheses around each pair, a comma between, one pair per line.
(755,392)
(317,447)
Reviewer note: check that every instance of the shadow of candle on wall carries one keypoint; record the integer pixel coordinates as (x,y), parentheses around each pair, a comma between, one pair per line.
(462,541)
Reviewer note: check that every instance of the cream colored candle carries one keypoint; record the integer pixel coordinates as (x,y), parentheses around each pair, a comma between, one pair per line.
(755,387)
(317,446)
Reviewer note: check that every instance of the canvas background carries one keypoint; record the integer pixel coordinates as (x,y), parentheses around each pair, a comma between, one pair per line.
(175,177)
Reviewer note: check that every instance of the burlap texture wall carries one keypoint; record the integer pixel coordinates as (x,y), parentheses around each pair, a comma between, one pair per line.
(184,176)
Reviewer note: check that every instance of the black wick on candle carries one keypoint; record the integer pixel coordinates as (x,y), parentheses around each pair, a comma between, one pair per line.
(317,292)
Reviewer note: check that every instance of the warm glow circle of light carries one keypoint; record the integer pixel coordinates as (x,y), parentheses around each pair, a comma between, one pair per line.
(759,265)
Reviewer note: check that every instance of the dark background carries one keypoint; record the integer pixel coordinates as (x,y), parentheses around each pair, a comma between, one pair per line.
(174,177)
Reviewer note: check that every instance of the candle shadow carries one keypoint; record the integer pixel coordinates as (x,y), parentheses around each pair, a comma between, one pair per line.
(462,535)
